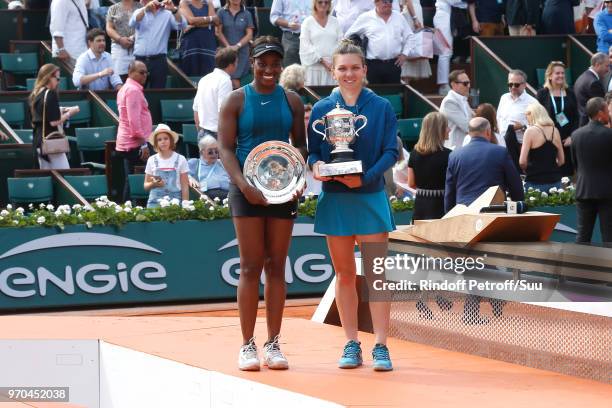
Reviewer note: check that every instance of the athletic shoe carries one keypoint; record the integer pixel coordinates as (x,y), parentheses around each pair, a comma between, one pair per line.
(273,356)
(351,356)
(248,360)
(382,361)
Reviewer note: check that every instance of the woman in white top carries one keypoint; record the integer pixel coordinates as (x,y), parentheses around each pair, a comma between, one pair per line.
(319,37)
(419,68)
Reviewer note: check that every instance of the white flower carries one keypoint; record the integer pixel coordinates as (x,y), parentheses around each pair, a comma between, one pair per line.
(64,209)
(9,207)
(41,205)
(128,209)
(128,203)
(31,206)
(532,199)
(1,218)
(552,190)
(77,207)
(189,208)
(393,198)
(560,190)
(80,217)
(89,224)
(226,200)
(175,201)
(163,203)
(139,208)
(310,194)
(406,199)
(102,198)
(211,208)
(530,189)
(88,208)
(50,207)
(544,195)
(15,222)
(571,188)
(40,220)
(4,213)
(118,209)
(565,180)
(202,198)
(217,199)
(100,203)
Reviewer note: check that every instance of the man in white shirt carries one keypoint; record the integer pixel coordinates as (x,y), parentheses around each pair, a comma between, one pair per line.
(456,108)
(347,11)
(512,105)
(387,33)
(212,91)
(68,27)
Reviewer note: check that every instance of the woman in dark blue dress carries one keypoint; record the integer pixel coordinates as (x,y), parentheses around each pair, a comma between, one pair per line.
(236,30)
(558,17)
(198,43)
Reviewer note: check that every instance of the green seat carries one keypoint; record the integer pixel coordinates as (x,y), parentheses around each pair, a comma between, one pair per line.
(27,135)
(13,113)
(94,138)
(396,103)
(30,189)
(18,64)
(63,84)
(137,190)
(84,115)
(177,110)
(409,129)
(540,72)
(90,187)
(190,137)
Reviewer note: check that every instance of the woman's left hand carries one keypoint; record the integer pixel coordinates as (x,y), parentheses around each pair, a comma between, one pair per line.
(349,180)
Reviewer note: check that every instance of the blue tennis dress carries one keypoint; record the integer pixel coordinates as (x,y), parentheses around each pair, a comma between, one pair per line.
(348,214)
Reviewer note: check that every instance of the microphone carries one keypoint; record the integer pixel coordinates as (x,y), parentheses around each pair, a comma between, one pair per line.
(508,207)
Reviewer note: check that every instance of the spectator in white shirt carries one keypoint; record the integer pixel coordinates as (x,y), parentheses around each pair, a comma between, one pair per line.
(94,68)
(456,108)
(513,105)
(387,33)
(68,27)
(347,11)
(212,91)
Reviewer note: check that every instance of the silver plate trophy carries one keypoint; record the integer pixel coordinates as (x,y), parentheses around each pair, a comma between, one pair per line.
(340,132)
(276,169)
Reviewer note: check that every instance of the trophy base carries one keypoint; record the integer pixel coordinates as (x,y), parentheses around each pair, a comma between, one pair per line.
(341,168)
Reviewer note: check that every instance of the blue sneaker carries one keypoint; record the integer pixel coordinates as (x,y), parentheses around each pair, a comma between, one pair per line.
(351,356)
(382,361)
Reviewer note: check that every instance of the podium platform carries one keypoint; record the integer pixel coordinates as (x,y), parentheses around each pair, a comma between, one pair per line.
(423,375)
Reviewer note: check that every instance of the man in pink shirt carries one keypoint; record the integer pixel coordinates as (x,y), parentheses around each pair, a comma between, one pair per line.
(135,123)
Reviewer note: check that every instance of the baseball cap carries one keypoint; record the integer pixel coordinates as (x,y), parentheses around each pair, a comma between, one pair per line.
(261,49)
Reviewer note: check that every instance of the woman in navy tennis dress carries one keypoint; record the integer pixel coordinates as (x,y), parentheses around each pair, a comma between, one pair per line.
(256,113)
(354,208)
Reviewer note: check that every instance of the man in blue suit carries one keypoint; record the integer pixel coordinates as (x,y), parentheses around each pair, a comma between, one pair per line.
(478,166)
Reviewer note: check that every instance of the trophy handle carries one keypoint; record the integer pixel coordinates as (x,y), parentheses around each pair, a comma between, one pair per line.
(318,122)
(365,122)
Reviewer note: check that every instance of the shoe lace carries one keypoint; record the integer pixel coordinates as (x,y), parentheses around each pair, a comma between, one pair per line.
(273,347)
(250,347)
(380,352)
(351,350)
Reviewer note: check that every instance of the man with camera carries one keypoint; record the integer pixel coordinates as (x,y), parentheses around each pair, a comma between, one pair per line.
(153,24)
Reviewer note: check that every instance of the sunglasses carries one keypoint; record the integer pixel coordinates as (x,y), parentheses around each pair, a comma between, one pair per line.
(464,83)
(515,84)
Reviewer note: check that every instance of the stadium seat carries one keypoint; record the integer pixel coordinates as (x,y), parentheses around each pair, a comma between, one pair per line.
(540,72)
(409,129)
(30,189)
(63,84)
(84,115)
(93,140)
(13,113)
(190,137)
(177,110)
(90,187)
(396,103)
(137,190)
(112,103)
(27,135)
(18,64)
(195,80)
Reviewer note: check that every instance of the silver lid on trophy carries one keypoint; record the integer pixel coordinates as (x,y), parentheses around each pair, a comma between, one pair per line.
(340,132)
(276,169)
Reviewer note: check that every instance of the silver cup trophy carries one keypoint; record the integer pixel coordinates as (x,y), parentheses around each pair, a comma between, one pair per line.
(340,132)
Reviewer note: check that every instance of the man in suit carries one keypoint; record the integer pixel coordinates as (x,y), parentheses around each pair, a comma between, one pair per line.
(591,151)
(590,85)
(478,166)
(456,108)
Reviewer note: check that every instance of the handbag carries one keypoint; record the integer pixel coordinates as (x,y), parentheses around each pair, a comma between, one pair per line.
(54,142)
(420,44)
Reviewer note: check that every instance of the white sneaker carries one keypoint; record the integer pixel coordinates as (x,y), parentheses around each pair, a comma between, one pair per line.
(248,360)
(273,356)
